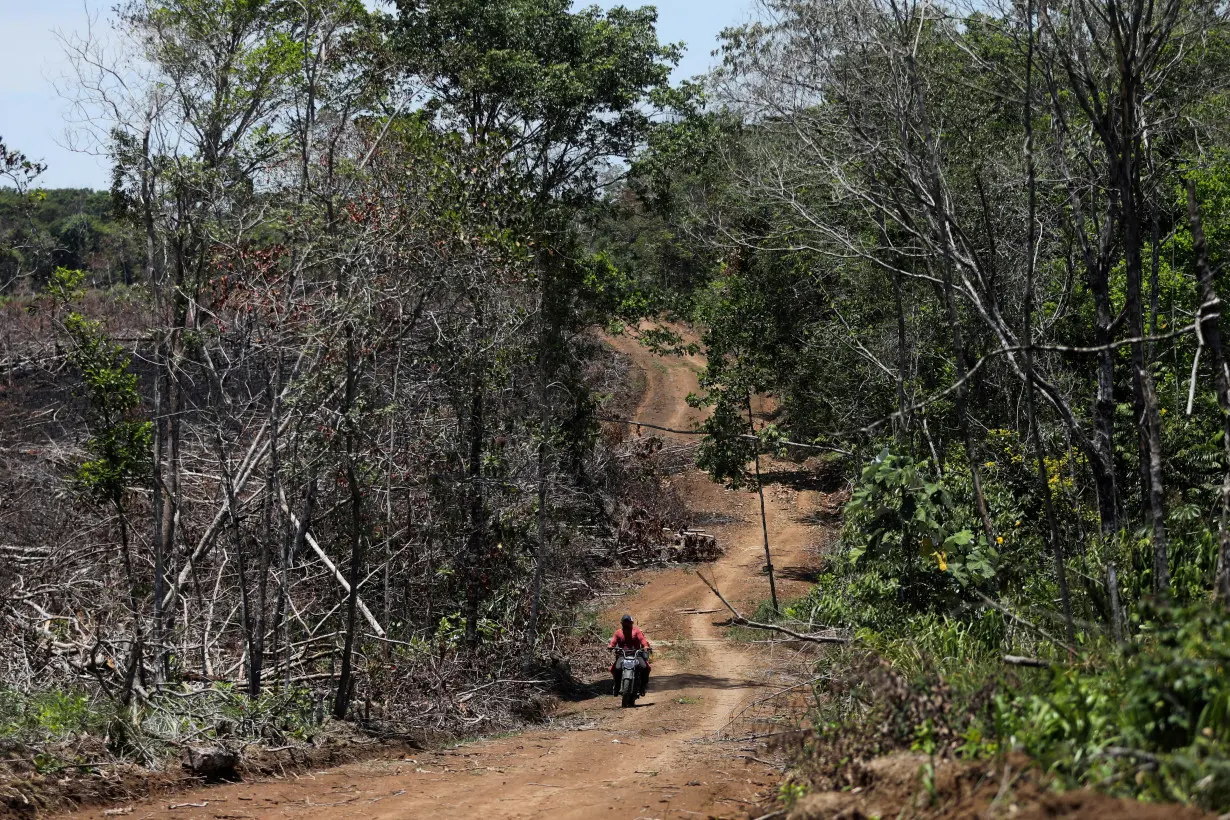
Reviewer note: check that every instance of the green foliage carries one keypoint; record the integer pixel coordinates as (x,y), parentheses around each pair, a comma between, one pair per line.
(507,68)
(1150,721)
(65,227)
(225,710)
(724,453)
(48,716)
(17,167)
(1153,722)
(908,547)
(55,718)
(121,442)
(1176,688)
(902,512)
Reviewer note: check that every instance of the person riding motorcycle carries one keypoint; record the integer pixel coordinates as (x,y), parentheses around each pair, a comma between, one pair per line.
(630,637)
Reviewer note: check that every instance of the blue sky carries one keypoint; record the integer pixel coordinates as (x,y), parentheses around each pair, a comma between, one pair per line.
(32,116)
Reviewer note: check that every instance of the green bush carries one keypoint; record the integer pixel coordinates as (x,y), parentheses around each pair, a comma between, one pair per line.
(1153,722)
(48,716)
(911,545)
(912,578)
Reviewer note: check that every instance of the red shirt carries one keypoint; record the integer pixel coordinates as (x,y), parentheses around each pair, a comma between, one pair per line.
(636,640)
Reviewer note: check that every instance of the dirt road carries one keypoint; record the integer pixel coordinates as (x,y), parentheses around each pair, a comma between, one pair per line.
(659,760)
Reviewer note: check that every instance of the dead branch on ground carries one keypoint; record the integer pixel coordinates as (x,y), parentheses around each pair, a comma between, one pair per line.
(739,620)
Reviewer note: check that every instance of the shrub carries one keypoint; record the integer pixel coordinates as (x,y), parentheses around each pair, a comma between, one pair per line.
(47,716)
(1153,722)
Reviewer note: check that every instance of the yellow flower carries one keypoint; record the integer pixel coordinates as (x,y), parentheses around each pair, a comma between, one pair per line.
(999,539)
(1018,523)
(941,559)
(1163,411)
(989,465)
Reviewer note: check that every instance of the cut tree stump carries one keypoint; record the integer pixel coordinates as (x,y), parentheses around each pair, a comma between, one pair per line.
(211,762)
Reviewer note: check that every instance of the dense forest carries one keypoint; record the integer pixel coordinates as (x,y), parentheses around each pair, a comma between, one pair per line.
(307,409)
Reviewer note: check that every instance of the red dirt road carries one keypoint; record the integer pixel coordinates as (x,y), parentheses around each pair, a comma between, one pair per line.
(659,760)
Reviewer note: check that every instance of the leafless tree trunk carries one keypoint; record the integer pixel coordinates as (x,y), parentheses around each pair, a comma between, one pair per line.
(345,685)
(1061,574)
(476,538)
(1209,335)
(764,520)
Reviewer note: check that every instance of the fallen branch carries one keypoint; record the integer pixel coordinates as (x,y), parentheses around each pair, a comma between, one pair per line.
(341,579)
(761,761)
(746,436)
(741,621)
(1137,754)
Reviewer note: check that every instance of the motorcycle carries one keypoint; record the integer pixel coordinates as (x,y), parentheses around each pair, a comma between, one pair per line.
(632,665)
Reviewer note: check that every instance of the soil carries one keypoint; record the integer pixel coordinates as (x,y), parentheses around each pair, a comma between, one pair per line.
(1011,788)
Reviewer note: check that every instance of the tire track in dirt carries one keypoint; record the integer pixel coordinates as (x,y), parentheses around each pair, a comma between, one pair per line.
(659,760)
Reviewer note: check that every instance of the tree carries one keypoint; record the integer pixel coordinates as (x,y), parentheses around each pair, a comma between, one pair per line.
(120,439)
(546,98)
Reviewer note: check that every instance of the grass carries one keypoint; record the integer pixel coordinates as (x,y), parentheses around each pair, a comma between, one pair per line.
(681,651)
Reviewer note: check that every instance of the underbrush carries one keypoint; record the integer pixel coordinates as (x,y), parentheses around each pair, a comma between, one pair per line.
(959,655)
(74,727)
(1149,721)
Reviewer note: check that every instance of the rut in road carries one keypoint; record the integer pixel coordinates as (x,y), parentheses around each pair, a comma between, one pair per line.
(658,760)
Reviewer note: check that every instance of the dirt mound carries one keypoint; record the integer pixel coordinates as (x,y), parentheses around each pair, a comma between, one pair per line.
(909,786)
(32,793)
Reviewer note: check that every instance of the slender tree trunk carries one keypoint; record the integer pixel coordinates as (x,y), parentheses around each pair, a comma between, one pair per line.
(904,435)
(1117,626)
(764,519)
(546,368)
(476,539)
(158,492)
(1209,328)
(1105,484)
(345,687)
(1102,463)
(943,229)
(246,609)
(1124,150)
(967,436)
(1145,406)
(1035,433)
(292,549)
(540,548)
(1155,298)
(279,533)
(133,670)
